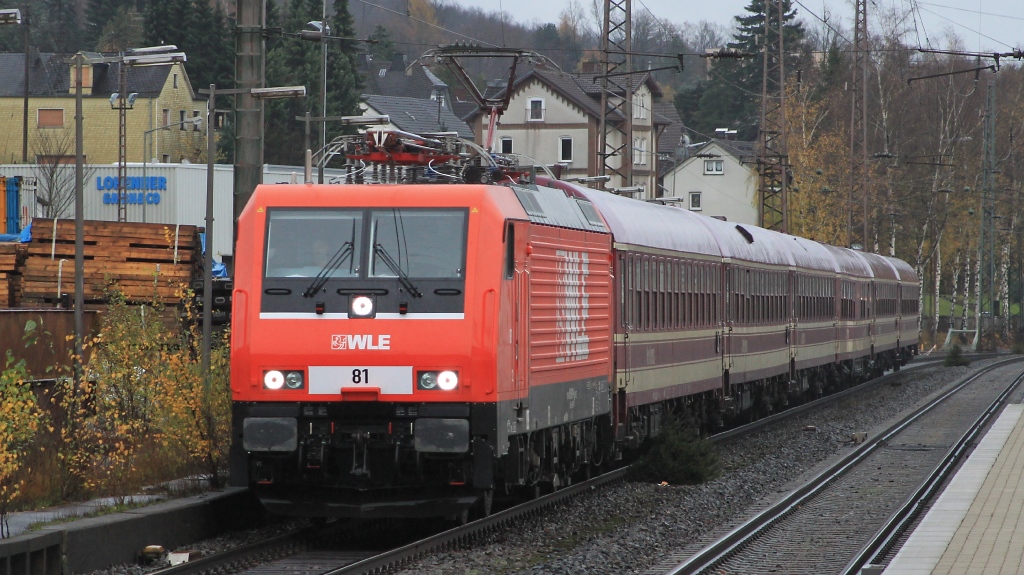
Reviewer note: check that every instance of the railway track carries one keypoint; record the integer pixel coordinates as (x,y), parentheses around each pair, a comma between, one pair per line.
(844,511)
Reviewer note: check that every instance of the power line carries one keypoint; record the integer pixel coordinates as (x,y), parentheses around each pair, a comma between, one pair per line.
(979,12)
(954,22)
(431,24)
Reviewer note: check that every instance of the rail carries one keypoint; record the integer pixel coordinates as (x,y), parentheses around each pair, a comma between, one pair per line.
(708,557)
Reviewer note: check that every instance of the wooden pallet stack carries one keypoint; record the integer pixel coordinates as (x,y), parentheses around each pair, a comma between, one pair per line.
(12,262)
(143,260)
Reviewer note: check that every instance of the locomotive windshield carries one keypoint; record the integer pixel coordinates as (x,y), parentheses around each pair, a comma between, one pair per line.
(423,243)
(405,243)
(302,243)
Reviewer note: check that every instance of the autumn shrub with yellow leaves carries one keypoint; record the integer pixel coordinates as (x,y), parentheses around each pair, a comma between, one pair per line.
(20,419)
(140,412)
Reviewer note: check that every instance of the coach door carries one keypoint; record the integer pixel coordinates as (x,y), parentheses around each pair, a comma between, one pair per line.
(729,315)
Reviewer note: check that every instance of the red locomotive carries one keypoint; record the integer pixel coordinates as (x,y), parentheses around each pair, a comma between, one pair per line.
(406,349)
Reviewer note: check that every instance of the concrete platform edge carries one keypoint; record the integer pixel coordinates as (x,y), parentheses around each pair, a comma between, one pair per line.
(95,543)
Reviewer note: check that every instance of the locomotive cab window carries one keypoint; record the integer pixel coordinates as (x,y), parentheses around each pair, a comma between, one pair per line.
(302,243)
(421,243)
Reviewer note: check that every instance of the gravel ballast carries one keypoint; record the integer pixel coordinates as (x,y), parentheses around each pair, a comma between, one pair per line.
(634,527)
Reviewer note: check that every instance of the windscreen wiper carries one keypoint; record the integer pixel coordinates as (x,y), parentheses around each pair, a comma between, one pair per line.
(393,265)
(339,257)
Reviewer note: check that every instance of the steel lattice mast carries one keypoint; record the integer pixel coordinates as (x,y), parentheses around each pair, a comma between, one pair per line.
(772,155)
(617,93)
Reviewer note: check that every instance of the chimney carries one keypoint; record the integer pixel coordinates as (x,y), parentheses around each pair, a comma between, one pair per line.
(398,63)
(725,134)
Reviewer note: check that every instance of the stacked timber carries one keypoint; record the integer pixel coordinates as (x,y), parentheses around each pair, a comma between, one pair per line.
(12,263)
(143,261)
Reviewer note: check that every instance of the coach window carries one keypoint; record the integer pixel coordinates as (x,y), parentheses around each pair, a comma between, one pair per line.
(675,293)
(637,298)
(644,296)
(623,273)
(662,314)
(702,289)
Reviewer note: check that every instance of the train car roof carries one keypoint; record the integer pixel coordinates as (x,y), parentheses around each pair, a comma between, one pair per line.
(642,224)
(906,271)
(850,262)
(652,225)
(813,255)
(881,267)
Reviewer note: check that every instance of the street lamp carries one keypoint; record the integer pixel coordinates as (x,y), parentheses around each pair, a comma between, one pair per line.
(195,121)
(211,110)
(150,56)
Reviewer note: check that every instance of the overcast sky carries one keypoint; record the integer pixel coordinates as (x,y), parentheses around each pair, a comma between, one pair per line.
(987,25)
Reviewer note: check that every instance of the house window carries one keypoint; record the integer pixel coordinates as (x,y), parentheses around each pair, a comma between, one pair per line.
(640,106)
(506,145)
(166,158)
(167,117)
(50,118)
(536,110)
(714,167)
(565,149)
(640,151)
(195,126)
(695,201)
(175,80)
(53,160)
(181,120)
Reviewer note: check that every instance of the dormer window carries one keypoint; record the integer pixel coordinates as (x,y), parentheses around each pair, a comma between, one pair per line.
(383,72)
(714,167)
(535,111)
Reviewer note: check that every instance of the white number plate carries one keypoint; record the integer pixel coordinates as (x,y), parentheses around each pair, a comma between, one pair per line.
(332,379)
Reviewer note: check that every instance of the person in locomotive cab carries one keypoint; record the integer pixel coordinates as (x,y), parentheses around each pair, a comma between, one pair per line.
(319,253)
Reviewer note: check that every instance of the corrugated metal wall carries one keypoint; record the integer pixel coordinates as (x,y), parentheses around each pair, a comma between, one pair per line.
(181,189)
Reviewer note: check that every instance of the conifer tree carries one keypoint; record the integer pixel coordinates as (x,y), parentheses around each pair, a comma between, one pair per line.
(732,95)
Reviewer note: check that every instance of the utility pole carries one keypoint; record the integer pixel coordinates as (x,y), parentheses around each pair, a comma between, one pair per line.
(772,155)
(987,242)
(858,126)
(617,93)
(248,110)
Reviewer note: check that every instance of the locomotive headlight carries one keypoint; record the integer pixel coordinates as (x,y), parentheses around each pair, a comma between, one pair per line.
(293,380)
(273,379)
(447,380)
(428,380)
(361,306)
(444,380)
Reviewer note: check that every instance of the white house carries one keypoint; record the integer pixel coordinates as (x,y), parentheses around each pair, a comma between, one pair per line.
(554,118)
(717,180)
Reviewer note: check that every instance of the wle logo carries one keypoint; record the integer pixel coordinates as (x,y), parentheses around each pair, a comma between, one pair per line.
(348,341)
